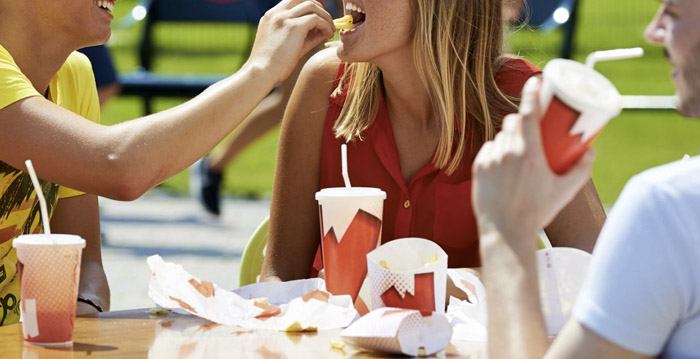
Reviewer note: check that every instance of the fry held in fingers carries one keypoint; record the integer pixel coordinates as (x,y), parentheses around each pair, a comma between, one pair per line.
(344,23)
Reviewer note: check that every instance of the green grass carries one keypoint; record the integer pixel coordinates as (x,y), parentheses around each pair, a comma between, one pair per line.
(631,143)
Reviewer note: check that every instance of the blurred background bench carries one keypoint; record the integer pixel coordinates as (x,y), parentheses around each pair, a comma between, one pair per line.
(187,29)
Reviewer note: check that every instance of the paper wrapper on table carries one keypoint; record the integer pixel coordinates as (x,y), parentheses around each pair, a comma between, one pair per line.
(396,330)
(298,305)
(416,276)
(561,274)
(468,317)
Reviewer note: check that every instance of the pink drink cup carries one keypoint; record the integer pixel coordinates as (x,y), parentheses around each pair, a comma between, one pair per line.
(49,272)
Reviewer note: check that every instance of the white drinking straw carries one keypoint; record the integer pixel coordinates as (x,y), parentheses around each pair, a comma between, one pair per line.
(344,161)
(40,195)
(618,54)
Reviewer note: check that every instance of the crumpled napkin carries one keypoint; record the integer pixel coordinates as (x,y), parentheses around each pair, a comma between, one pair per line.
(302,305)
(561,272)
(468,318)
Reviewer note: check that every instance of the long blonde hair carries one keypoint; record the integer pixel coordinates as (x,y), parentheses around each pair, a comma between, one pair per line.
(457,51)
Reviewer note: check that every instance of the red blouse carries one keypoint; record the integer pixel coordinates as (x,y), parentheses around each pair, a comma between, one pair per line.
(432,205)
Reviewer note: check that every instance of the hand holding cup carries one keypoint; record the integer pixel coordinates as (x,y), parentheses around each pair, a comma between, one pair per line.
(514,188)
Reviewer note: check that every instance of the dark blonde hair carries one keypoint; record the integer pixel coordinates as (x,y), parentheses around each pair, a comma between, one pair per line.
(458,51)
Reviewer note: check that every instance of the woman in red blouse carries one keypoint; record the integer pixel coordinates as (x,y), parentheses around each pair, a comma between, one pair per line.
(415,90)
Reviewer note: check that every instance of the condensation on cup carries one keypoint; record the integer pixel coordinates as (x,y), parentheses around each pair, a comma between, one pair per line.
(49,273)
(351,227)
(577,102)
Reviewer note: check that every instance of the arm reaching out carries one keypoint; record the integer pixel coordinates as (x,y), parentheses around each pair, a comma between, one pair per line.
(125,160)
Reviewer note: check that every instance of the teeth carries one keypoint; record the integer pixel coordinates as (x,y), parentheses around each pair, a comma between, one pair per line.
(353,7)
(107,5)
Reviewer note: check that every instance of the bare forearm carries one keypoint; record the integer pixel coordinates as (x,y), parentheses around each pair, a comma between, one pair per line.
(579,223)
(154,148)
(516,325)
(124,161)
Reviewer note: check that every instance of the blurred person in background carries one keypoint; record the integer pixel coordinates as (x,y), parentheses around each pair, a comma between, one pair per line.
(207,175)
(106,79)
(641,297)
(49,113)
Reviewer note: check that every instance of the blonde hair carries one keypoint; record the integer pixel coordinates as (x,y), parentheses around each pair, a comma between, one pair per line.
(457,51)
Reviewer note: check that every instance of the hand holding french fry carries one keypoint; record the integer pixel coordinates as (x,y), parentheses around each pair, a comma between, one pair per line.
(287,32)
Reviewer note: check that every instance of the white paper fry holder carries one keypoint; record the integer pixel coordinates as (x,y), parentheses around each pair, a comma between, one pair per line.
(400,331)
(561,273)
(408,273)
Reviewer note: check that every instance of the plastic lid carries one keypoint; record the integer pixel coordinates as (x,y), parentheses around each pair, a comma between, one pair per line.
(48,240)
(338,192)
(583,87)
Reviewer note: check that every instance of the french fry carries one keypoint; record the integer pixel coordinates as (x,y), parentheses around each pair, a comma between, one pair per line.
(344,23)
(261,300)
(431,261)
(157,311)
(337,344)
(384,265)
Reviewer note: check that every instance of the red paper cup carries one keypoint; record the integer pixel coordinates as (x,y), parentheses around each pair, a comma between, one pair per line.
(577,102)
(49,272)
(351,227)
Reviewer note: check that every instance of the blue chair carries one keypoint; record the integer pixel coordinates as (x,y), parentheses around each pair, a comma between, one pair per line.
(148,84)
(548,15)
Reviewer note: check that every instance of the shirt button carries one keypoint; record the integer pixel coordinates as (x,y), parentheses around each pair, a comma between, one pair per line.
(407,204)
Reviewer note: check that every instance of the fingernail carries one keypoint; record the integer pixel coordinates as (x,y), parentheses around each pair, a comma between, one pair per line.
(531,84)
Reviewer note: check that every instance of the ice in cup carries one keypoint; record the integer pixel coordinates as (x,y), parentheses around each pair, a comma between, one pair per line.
(49,272)
(351,227)
(577,102)
(408,273)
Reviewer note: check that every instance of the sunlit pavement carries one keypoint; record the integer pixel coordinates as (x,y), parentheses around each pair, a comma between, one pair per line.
(179,230)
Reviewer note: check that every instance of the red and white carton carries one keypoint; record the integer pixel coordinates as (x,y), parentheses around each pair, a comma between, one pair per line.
(561,274)
(408,273)
(400,331)
(576,101)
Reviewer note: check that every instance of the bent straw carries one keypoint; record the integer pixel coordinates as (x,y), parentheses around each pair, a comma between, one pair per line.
(40,195)
(609,55)
(344,159)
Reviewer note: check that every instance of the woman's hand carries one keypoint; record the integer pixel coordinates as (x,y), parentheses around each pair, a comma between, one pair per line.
(515,192)
(287,32)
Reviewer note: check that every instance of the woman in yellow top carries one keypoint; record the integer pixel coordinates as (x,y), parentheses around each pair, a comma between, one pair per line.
(49,114)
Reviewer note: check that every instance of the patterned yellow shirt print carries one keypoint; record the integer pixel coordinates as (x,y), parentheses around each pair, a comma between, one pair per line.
(19,214)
